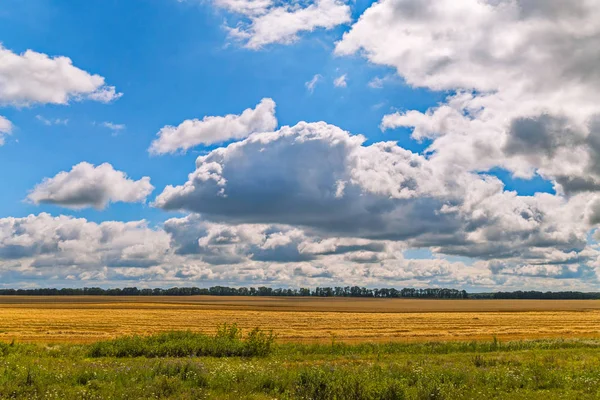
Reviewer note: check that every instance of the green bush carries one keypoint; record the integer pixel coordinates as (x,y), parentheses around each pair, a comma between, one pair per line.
(258,343)
(228,342)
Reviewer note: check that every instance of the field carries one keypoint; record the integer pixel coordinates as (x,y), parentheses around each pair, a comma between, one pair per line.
(88,319)
(184,366)
(325,349)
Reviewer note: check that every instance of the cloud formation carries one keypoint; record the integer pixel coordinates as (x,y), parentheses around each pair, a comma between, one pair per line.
(89,186)
(49,122)
(525,89)
(5,128)
(310,85)
(193,251)
(33,77)
(312,204)
(340,81)
(324,179)
(114,128)
(212,130)
(264,22)
(66,245)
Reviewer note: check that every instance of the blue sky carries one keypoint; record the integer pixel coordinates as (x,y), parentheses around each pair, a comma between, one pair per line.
(173,61)
(177,60)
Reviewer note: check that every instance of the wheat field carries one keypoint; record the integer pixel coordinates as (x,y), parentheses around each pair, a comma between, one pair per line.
(88,319)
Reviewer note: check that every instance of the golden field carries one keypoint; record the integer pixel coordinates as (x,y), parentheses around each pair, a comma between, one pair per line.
(90,318)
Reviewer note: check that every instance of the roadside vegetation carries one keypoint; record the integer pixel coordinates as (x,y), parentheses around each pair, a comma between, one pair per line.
(236,365)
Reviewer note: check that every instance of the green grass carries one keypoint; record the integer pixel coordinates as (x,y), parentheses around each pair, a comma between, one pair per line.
(228,342)
(184,365)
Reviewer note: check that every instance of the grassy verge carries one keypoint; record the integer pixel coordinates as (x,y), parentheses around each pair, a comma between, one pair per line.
(229,365)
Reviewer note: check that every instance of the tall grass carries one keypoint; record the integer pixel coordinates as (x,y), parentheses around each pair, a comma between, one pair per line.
(229,341)
(495,345)
(234,365)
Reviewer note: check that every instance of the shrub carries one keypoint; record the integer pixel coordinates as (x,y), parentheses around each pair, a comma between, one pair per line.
(227,342)
(258,343)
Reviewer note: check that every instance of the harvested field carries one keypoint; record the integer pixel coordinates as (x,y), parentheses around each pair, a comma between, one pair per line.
(88,319)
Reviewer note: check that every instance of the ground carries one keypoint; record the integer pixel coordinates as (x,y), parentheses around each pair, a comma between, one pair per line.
(325,348)
(88,319)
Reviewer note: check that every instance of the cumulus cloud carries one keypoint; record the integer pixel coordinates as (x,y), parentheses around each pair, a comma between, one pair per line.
(265,22)
(193,251)
(33,77)
(312,204)
(77,245)
(89,186)
(187,249)
(548,271)
(61,248)
(219,243)
(334,186)
(459,44)
(526,92)
(212,130)
(328,176)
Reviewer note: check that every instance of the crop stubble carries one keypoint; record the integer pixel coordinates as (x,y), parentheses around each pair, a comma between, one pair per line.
(90,318)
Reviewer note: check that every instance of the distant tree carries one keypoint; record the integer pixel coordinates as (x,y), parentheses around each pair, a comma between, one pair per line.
(338,291)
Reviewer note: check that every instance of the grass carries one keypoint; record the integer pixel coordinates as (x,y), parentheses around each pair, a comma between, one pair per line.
(370,349)
(227,342)
(233,365)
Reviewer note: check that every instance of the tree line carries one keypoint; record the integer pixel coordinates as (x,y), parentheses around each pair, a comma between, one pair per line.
(347,291)
(536,295)
(338,291)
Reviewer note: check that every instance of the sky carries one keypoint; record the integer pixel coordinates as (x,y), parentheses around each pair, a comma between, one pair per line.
(399,143)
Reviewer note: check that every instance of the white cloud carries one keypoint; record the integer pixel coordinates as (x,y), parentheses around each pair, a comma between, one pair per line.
(5,128)
(310,85)
(268,23)
(340,81)
(245,7)
(89,186)
(212,130)
(66,244)
(435,44)
(192,251)
(311,204)
(33,77)
(378,82)
(527,93)
(105,94)
(340,169)
(55,121)
(115,128)
(381,191)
